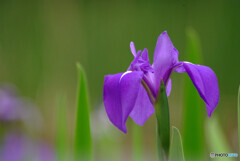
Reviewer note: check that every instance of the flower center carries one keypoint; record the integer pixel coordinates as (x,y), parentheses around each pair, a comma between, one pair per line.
(141,63)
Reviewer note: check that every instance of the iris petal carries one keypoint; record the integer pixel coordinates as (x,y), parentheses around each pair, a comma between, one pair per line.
(133,50)
(145,55)
(143,108)
(169,87)
(205,81)
(119,96)
(165,56)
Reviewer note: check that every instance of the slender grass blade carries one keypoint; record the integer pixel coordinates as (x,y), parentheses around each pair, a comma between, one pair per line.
(176,147)
(193,107)
(82,143)
(216,139)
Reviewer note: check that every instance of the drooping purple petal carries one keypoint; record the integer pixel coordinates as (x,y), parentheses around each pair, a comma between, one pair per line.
(205,81)
(165,56)
(143,108)
(169,87)
(120,92)
(112,100)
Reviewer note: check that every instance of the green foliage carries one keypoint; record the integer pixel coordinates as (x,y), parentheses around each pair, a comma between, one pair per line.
(193,108)
(193,48)
(137,142)
(163,123)
(239,120)
(61,137)
(176,148)
(82,143)
(216,140)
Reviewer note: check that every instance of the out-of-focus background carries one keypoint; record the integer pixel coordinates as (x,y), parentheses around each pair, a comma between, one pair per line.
(42,40)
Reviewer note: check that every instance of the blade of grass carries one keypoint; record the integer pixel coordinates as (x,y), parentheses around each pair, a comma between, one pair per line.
(216,140)
(163,123)
(193,109)
(82,147)
(176,148)
(61,138)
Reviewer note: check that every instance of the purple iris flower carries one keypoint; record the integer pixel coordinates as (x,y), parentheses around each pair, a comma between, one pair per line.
(10,105)
(15,108)
(16,147)
(134,92)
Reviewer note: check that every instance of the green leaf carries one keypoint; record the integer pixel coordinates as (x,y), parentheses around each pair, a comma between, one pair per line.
(239,120)
(137,142)
(61,138)
(82,147)
(176,148)
(163,123)
(216,140)
(193,47)
(193,107)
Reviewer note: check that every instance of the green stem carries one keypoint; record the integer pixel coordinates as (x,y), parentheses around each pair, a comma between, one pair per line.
(163,124)
(137,142)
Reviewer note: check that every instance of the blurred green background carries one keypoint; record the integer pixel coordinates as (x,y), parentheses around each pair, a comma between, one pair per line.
(41,41)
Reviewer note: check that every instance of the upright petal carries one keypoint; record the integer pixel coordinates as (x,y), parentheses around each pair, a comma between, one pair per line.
(120,92)
(205,81)
(143,108)
(133,50)
(145,55)
(165,56)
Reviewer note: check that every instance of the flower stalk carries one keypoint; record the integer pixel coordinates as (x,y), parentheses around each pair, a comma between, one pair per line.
(163,123)
(150,94)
